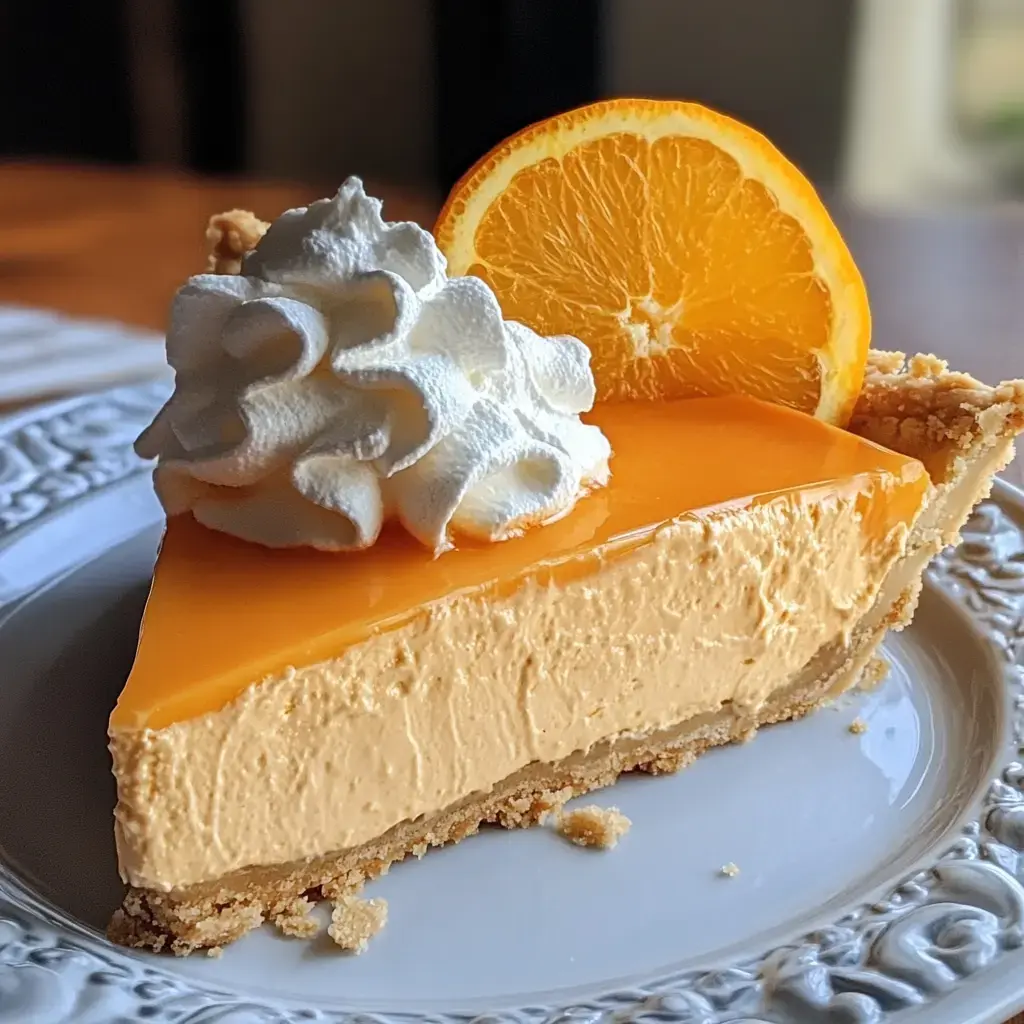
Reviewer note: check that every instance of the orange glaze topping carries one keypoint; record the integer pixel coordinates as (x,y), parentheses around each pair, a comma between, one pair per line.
(224,614)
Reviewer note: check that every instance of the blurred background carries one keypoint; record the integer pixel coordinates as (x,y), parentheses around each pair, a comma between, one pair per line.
(890,102)
(126,123)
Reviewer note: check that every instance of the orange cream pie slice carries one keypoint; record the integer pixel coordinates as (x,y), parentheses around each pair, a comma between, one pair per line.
(298,720)
(400,596)
(287,705)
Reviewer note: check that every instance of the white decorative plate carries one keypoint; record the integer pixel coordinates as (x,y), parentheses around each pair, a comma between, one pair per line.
(880,873)
(43,353)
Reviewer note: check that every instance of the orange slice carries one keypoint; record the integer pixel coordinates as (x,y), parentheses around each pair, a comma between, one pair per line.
(680,245)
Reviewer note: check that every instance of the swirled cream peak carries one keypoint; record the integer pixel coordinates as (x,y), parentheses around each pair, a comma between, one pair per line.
(343,379)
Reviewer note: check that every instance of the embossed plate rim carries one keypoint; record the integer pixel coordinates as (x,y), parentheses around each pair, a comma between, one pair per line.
(960,962)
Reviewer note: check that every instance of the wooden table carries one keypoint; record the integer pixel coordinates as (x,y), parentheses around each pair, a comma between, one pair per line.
(117,244)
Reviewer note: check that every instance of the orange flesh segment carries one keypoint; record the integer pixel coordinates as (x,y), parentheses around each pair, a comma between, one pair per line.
(712,285)
(224,614)
(680,245)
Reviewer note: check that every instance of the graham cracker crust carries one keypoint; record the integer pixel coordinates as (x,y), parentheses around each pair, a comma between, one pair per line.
(229,236)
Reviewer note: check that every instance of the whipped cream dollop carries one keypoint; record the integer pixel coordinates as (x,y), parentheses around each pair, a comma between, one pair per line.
(343,379)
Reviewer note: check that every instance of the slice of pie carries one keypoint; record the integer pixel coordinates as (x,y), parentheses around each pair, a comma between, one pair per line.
(295,725)
(414,581)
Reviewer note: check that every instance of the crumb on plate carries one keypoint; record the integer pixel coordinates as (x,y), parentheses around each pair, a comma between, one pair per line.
(215,952)
(599,827)
(729,870)
(858,726)
(355,921)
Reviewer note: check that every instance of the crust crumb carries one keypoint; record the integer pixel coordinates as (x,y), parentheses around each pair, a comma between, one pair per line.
(215,952)
(858,726)
(874,674)
(355,921)
(729,870)
(296,921)
(924,364)
(522,812)
(229,236)
(600,827)
(668,762)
